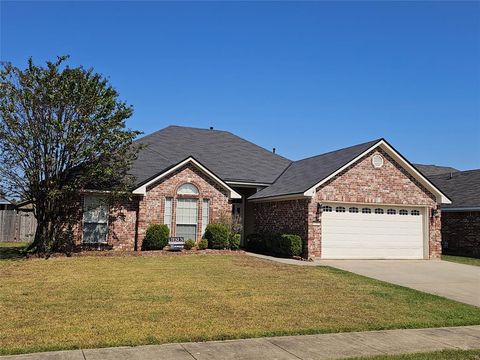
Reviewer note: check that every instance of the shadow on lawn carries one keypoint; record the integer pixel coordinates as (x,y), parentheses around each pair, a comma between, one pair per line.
(12,250)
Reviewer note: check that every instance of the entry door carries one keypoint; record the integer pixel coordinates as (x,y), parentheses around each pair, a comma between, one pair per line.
(371,232)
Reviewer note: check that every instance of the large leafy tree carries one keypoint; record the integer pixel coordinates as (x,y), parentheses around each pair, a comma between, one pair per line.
(62,131)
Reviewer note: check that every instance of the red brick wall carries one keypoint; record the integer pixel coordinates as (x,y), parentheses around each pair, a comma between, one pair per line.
(390,184)
(361,182)
(152,205)
(282,217)
(461,230)
(123,224)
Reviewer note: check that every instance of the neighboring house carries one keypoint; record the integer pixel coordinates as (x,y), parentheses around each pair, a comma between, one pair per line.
(429,170)
(461,218)
(364,201)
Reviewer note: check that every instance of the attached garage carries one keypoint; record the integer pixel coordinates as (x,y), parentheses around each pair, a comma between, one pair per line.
(362,202)
(355,231)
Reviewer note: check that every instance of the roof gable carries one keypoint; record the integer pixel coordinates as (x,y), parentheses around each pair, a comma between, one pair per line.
(323,167)
(142,188)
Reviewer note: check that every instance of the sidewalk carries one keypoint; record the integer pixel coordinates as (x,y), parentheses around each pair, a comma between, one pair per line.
(322,346)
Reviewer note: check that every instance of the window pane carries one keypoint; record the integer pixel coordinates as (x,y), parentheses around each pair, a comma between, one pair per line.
(94,233)
(187,189)
(168,212)
(95,209)
(187,231)
(187,211)
(205,214)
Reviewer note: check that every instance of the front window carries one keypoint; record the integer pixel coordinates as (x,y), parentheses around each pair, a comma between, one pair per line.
(187,189)
(205,214)
(95,219)
(167,220)
(186,219)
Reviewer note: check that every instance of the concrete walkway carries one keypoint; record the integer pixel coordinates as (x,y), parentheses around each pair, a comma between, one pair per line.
(323,346)
(448,279)
(454,281)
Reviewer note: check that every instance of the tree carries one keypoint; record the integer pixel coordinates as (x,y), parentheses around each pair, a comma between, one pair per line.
(62,131)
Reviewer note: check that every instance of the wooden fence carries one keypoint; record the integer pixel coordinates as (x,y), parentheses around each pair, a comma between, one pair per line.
(17,226)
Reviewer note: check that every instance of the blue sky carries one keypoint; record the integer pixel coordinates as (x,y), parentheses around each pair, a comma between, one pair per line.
(304,77)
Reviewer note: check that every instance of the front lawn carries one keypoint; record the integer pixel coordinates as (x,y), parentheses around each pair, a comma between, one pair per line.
(462,260)
(12,250)
(88,302)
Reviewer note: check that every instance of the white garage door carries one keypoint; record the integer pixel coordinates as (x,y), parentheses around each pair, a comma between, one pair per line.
(371,232)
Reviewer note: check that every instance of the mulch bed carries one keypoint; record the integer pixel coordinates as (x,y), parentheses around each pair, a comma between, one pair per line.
(118,253)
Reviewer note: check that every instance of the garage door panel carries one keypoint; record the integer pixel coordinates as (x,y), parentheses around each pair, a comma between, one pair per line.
(372,236)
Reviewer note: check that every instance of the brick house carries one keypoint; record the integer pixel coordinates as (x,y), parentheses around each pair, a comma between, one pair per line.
(461,218)
(364,201)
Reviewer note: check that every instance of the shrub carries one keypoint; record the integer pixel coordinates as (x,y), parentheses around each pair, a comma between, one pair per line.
(255,243)
(235,241)
(189,244)
(156,237)
(288,245)
(203,244)
(217,236)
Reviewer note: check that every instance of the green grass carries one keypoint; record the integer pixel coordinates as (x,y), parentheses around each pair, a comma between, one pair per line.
(12,250)
(462,260)
(437,355)
(88,302)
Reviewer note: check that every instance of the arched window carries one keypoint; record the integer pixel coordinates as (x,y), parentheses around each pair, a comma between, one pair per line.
(403,212)
(340,209)
(187,189)
(366,211)
(391,211)
(353,210)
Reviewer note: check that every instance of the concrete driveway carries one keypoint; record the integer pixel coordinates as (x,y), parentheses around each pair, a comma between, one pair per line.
(451,280)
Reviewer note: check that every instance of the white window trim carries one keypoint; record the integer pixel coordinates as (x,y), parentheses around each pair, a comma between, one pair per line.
(142,190)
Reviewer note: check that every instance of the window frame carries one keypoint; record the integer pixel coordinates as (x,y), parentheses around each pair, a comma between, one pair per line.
(379,211)
(366,210)
(391,212)
(84,222)
(177,223)
(340,209)
(205,215)
(169,213)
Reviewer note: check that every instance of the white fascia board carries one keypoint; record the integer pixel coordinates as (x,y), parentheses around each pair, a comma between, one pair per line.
(440,197)
(246,183)
(142,190)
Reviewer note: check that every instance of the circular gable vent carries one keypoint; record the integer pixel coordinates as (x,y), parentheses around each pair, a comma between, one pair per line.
(377,161)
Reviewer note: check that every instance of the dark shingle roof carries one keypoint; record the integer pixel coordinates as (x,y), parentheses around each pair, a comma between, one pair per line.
(462,187)
(303,174)
(429,170)
(228,156)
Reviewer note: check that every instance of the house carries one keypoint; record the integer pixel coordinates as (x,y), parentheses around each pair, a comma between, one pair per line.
(461,218)
(430,170)
(364,201)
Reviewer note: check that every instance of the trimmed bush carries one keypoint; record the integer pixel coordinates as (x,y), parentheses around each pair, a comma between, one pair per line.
(203,244)
(235,241)
(156,237)
(285,245)
(189,244)
(288,245)
(255,243)
(217,236)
